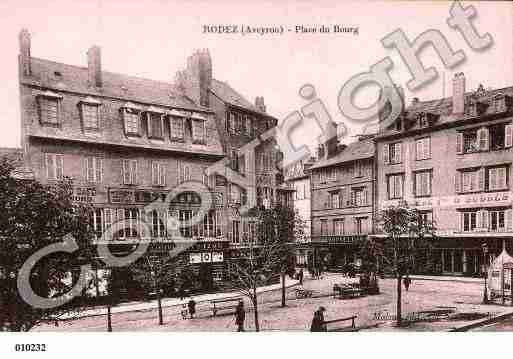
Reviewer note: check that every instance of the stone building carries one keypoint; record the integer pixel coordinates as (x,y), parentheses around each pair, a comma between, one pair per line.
(127,142)
(451,159)
(342,200)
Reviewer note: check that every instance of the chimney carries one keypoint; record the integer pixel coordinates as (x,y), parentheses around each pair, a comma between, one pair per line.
(259,103)
(196,79)
(24,39)
(458,93)
(94,66)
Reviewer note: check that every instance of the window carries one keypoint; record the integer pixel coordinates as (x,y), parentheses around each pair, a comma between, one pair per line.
(235,194)
(426,217)
(129,171)
(242,164)
(94,169)
(91,116)
(185,172)
(54,166)
(423,120)
(497,220)
(234,159)
(334,200)
(158,228)
(473,140)
(497,178)
(248,126)
(198,131)
(392,153)
(155,125)
(132,221)
(266,161)
(338,227)
(359,197)
(324,227)
(361,225)
(177,128)
(235,232)
(158,174)
(97,222)
(210,223)
(131,119)
(395,186)
(423,148)
(231,123)
(472,180)
(469,221)
(423,183)
(185,216)
(49,110)
(238,122)
(358,169)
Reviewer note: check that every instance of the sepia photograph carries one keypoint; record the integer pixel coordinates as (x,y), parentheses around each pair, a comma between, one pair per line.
(176,168)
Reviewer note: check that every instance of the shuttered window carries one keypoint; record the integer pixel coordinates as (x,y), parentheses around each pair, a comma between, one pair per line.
(423,148)
(395,186)
(158,173)
(91,116)
(423,183)
(49,110)
(130,171)
(497,178)
(198,131)
(94,169)
(177,128)
(131,120)
(155,125)
(54,166)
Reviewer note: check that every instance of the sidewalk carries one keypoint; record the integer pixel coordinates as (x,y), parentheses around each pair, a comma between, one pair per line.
(170,302)
(448,279)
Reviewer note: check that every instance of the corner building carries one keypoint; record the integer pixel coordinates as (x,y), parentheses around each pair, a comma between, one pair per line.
(451,159)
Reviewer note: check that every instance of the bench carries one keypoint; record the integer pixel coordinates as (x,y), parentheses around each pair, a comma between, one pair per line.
(347,291)
(231,303)
(304,293)
(336,329)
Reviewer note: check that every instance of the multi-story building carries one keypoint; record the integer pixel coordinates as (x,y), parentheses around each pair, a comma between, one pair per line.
(241,124)
(342,200)
(297,178)
(127,141)
(451,159)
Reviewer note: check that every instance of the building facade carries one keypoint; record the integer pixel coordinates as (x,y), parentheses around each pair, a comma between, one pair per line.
(127,142)
(451,159)
(342,201)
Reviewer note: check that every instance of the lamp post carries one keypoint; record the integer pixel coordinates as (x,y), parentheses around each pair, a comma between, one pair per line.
(485,256)
(159,297)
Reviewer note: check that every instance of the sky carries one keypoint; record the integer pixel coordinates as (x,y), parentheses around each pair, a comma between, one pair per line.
(153,39)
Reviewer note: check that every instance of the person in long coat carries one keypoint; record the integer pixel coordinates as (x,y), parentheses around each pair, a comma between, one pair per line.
(318,321)
(240,316)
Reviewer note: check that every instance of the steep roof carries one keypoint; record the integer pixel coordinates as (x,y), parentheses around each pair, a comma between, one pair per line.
(443,108)
(72,78)
(227,94)
(354,151)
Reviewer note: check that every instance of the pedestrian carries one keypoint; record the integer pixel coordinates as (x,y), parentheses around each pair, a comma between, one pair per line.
(300,276)
(240,316)
(318,324)
(192,307)
(407,282)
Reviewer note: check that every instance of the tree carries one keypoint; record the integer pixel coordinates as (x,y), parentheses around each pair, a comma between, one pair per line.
(35,216)
(409,237)
(267,254)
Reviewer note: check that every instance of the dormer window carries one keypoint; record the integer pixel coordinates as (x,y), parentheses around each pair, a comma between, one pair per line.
(155,118)
(90,112)
(500,103)
(131,118)
(198,128)
(177,128)
(49,108)
(475,108)
(423,120)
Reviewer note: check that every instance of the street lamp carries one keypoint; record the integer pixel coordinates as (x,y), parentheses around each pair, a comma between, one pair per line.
(485,256)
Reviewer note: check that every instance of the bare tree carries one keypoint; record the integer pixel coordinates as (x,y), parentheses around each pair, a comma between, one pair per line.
(408,238)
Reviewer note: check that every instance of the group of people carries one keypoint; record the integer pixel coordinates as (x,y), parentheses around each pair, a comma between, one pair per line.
(240,314)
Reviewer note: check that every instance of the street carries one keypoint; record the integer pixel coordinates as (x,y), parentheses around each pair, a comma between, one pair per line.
(374,313)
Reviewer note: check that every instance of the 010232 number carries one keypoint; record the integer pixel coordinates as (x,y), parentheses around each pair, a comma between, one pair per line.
(30,347)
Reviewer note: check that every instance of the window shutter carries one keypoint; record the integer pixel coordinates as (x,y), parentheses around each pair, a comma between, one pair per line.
(484,219)
(99,170)
(162,174)
(59,171)
(483,138)
(508,141)
(420,149)
(400,186)
(398,154)
(126,173)
(365,197)
(508,219)
(462,218)
(501,178)
(386,153)
(429,178)
(459,143)
(154,173)
(479,219)
(457,182)
(481,179)
(427,147)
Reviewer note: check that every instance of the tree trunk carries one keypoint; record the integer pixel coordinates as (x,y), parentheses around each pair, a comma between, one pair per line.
(399,318)
(283,289)
(255,307)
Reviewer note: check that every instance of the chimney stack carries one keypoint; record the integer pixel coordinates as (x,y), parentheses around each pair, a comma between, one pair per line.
(458,93)
(24,42)
(259,103)
(195,81)
(94,66)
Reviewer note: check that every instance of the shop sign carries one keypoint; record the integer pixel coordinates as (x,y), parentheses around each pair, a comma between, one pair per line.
(206,257)
(84,194)
(468,200)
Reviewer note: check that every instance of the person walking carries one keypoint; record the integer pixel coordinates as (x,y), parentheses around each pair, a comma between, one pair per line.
(240,316)
(318,321)
(192,307)
(300,276)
